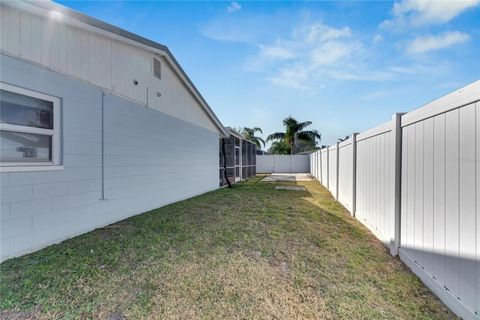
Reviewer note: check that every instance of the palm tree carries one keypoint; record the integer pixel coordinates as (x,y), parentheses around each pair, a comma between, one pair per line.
(343,139)
(294,131)
(279,147)
(249,134)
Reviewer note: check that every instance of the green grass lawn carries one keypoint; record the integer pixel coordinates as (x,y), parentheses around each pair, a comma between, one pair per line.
(249,252)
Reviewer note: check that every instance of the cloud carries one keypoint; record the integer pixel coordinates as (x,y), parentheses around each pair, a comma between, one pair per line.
(377,38)
(228,32)
(428,43)
(331,52)
(308,54)
(312,55)
(277,52)
(236,28)
(295,77)
(375,94)
(416,13)
(319,32)
(306,57)
(234,7)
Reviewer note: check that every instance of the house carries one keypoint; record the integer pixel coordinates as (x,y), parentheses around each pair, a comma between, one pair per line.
(240,157)
(97,125)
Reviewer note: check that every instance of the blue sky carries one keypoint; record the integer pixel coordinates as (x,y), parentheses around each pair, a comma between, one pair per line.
(345,66)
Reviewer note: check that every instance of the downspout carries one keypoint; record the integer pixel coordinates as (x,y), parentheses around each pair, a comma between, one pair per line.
(225,163)
(103,147)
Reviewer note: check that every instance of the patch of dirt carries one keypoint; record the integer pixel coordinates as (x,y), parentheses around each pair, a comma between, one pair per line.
(117,315)
(284,266)
(255,255)
(19,315)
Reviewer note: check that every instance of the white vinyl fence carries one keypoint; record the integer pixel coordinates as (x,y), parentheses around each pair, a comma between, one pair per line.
(415,183)
(297,163)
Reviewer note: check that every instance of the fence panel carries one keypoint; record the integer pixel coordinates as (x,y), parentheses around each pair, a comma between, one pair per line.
(375,197)
(265,163)
(313,161)
(283,164)
(440,215)
(415,183)
(345,174)
(332,170)
(324,167)
(297,163)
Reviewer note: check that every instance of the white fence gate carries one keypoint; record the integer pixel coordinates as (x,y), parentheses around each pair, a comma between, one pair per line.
(297,163)
(415,183)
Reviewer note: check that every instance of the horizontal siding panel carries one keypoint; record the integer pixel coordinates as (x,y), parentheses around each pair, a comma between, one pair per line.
(100,60)
(10,29)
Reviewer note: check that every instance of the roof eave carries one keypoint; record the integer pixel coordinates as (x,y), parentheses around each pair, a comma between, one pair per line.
(49,5)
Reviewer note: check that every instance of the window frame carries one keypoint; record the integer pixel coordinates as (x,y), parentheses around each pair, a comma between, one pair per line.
(54,133)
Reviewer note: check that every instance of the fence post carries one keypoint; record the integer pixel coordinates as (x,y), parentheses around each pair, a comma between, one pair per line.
(354,173)
(397,180)
(337,181)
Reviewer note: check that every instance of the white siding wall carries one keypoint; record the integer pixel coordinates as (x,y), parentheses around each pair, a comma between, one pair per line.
(95,58)
(151,159)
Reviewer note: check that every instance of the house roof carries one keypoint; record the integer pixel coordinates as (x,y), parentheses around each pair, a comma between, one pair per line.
(233,132)
(54,7)
(230,131)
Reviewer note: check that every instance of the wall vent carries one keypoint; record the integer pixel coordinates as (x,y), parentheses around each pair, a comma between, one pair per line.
(157,68)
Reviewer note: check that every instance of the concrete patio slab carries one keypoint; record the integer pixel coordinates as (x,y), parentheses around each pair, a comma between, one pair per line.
(288,177)
(291,188)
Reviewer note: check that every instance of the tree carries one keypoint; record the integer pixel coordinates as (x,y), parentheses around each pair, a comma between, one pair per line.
(249,134)
(279,147)
(343,139)
(294,132)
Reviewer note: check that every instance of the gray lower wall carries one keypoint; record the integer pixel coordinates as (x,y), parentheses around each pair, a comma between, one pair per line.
(151,159)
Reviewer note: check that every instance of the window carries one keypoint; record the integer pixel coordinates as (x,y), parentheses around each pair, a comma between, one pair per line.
(29,129)
(157,68)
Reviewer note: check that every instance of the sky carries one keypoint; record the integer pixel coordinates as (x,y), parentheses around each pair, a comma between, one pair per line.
(345,66)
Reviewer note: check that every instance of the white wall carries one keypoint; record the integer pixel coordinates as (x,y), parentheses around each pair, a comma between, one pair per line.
(80,51)
(151,159)
(297,163)
(420,193)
